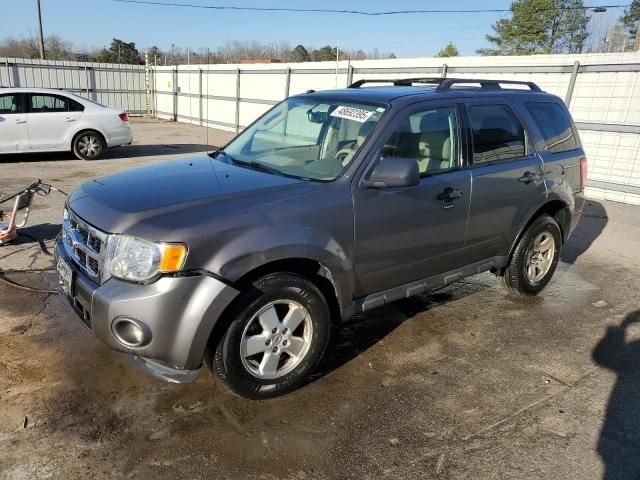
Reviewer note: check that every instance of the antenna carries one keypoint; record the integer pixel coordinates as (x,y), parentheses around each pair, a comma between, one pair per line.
(206,116)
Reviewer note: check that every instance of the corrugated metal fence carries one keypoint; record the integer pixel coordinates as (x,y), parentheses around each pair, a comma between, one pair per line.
(602,91)
(110,84)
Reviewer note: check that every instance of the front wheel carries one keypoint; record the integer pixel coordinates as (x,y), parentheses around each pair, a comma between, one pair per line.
(535,258)
(278,333)
(88,145)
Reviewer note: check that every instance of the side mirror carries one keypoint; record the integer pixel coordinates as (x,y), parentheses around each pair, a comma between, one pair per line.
(394,172)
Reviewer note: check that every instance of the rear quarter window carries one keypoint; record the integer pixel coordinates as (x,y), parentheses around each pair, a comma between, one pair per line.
(74,106)
(555,126)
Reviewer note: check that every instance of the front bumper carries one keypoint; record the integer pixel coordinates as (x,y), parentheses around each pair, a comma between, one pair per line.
(180,313)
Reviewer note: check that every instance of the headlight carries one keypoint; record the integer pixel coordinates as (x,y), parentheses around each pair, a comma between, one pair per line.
(139,260)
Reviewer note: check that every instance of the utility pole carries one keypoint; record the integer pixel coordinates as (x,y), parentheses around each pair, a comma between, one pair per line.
(337,60)
(42,56)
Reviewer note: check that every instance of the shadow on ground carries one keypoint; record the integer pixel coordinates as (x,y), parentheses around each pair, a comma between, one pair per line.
(127,151)
(593,221)
(365,330)
(619,442)
(37,233)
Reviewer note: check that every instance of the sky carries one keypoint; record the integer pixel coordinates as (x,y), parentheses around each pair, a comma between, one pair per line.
(93,23)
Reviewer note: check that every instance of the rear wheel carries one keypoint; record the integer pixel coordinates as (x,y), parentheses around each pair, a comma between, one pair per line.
(278,333)
(534,259)
(88,145)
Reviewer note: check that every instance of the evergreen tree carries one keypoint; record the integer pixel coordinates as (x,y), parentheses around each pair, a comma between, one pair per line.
(120,52)
(450,50)
(300,54)
(540,26)
(631,22)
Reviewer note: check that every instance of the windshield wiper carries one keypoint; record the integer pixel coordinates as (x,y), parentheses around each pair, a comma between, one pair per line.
(218,152)
(257,166)
(251,164)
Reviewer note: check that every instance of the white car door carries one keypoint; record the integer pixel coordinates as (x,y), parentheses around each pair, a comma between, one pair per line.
(14,135)
(52,121)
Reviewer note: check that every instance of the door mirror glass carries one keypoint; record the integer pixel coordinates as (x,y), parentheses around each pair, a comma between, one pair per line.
(394,172)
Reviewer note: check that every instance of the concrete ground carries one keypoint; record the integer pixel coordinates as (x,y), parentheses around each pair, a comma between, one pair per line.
(463,383)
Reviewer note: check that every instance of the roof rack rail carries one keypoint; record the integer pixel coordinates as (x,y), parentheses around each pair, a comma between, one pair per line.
(399,82)
(485,84)
(447,83)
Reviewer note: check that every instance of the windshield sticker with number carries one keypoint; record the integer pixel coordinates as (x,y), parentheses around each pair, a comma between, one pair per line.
(350,113)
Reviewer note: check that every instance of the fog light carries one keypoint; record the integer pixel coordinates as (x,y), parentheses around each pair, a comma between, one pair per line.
(131,332)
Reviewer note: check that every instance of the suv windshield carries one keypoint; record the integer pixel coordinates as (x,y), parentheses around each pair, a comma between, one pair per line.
(307,138)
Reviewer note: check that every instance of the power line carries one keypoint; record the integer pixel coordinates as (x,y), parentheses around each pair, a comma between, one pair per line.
(349,12)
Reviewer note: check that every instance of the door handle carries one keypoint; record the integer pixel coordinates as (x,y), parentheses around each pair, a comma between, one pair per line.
(528,177)
(69,119)
(19,120)
(449,194)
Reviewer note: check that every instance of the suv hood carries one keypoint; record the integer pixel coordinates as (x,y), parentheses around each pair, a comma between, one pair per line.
(147,202)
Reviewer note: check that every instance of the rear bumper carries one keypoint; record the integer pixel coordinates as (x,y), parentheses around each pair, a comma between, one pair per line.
(120,136)
(179,313)
(578,205)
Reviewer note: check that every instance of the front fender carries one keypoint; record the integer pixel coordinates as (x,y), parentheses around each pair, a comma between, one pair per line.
(261,245)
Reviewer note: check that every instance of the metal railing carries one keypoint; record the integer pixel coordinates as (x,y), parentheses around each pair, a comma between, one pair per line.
(444,71)
(111,84)
(604,96)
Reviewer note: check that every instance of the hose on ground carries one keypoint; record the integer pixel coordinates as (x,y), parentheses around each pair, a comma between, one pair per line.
(42,191)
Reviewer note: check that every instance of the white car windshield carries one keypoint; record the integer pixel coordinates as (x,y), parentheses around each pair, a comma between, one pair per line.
(308,138)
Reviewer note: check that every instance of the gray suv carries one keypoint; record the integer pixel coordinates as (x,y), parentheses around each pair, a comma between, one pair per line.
(330,204)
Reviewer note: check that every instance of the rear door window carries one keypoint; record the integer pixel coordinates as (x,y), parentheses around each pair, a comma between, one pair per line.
(497,133)
(555,126)
(11,103)
(42,103)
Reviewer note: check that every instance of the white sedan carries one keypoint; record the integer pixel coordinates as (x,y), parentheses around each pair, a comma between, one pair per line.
(49,120)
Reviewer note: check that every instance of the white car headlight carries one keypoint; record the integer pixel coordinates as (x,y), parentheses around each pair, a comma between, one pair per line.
(138,260)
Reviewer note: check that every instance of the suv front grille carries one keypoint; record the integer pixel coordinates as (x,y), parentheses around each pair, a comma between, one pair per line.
(84,244)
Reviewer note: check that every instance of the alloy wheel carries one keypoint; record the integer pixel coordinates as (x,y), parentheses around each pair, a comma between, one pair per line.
(276,339)
(540,257)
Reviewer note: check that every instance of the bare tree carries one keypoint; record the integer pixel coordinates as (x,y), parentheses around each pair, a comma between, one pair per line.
(29,47)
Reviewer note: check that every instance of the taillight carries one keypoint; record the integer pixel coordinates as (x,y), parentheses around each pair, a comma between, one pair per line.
(124,117)
(583,173)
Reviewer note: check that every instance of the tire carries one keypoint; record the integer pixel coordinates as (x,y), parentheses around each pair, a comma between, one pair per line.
(88,145)
(258,328)
(534,259)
